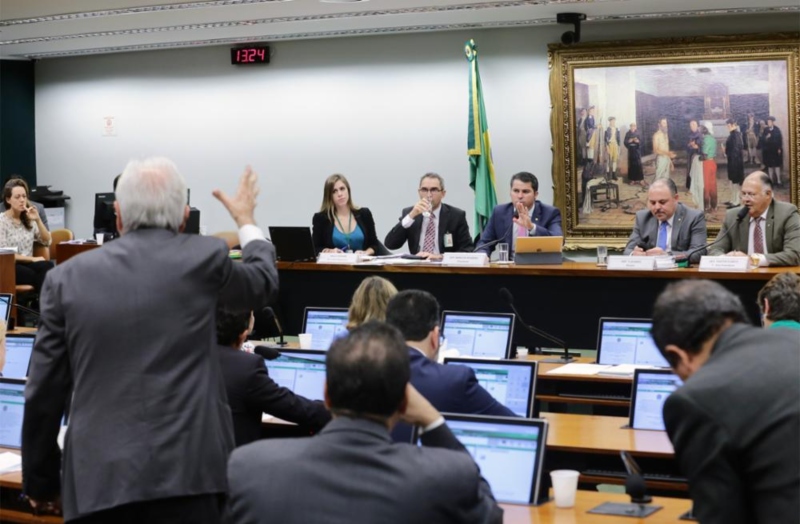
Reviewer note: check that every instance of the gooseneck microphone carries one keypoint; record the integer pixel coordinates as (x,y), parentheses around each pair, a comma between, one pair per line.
(496,241)
(266,352)
(739,217)
(565,358)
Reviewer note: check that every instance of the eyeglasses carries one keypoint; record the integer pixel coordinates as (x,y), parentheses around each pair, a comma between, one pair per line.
(430,191)
(745,194)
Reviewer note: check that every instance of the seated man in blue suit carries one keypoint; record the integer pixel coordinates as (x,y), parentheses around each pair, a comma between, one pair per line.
(524,216)
(452,389)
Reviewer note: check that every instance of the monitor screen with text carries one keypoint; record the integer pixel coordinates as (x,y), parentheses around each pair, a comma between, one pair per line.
(18,355)
(303,372)
(324,325)
(5,307)
(12,406)
(650,390)
(483,335)
(511,382)
(627,341)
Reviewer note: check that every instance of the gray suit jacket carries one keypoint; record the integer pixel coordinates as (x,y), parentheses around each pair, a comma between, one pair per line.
(688,231)
(782,234)
(130,329)
(735,426)
(353,473)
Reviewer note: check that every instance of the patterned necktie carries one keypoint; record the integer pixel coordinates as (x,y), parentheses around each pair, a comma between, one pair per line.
(758,238)
(662,235)
(429,245)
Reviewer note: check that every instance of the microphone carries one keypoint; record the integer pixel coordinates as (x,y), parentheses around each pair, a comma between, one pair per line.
(565,358)
(266,352)
(739,217)
(11,321)
(634,482)
(496,241)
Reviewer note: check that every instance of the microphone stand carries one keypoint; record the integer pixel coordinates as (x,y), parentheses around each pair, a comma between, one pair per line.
(563,359)
(739,218)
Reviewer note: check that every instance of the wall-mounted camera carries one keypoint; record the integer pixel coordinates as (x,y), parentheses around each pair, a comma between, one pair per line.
(571,37)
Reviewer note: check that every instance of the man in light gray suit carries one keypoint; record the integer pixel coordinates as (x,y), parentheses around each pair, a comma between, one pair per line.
(127,331)
(667,226)
(352,472)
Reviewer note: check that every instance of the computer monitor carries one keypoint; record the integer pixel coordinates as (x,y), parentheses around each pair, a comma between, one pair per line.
(293,244)
(18,355)
(324,324)
(651,387)
(509,451)
(5,307)
(627,341)
(511,382)
(12,407)
(486,335)
(105,218)
(302,371)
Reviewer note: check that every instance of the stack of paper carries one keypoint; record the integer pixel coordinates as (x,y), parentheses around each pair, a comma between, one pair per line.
(10,462)
(578,369)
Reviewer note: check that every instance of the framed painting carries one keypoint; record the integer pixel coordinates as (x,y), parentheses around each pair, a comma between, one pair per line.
(627,113)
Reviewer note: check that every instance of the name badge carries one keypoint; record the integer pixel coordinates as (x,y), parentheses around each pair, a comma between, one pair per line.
(337,258)
(465,259)
(448,240)
(623,263)
(722,263)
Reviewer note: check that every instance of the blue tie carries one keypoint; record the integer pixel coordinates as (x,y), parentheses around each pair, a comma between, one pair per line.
(662,236)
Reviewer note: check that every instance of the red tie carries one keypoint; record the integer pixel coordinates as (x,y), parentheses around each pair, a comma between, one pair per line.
(758,238)
(430,235)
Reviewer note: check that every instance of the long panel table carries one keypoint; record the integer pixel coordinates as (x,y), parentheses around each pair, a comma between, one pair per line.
(566,300)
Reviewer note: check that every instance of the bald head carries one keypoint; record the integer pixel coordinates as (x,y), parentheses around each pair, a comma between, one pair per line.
(756,193)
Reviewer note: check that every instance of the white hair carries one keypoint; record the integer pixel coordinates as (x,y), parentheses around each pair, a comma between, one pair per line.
(151,193)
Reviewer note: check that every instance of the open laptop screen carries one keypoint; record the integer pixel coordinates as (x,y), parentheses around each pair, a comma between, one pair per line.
(18,355)
(12,406)
(511,382)
(627,341)
(509,452)
(292,244)
(5,307)
(478,334)
(324,325)
(302,371)
(651,387)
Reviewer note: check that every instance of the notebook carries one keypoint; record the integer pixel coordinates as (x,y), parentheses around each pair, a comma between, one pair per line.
(474,334)
(509,451)
(18,355)
(324,325)
(302,371)
(12,407)
(651,387)
(5,307)
(627,341)
(511,382)
(293,244)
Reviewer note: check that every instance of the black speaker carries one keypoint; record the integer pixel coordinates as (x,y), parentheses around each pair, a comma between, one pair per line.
(193,222)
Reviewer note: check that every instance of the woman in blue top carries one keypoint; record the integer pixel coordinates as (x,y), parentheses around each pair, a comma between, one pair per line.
(341,226)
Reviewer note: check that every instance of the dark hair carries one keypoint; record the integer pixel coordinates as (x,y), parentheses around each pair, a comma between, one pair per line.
(435,176)
(783,294)
(667,182)
(526,178)
(414,312)
(689,312)
(230,325)
(8,189)
(730,122)
(367,371)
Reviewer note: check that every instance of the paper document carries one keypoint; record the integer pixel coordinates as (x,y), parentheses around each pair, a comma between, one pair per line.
(578,369)
(10,462)
(624,369)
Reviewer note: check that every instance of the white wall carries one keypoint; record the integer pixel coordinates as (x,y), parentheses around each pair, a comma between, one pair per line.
(381,110)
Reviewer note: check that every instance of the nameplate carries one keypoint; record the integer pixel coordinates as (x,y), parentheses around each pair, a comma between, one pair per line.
(465,259)
(623,263)
(337,258)
(722,263)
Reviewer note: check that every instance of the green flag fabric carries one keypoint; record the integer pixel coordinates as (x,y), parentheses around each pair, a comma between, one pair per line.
(481,170)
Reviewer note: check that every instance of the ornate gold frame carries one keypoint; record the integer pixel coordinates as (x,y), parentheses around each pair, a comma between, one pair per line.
(563,62)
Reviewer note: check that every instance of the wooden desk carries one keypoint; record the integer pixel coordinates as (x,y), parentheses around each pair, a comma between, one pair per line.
(565,300)
(12,509)
(67,250)
(8,278)
(548,513)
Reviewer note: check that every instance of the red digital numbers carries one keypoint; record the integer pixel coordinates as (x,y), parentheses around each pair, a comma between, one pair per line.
(250,55)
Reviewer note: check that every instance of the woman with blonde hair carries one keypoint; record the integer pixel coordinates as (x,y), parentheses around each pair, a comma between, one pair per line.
(341,226)
(370,300)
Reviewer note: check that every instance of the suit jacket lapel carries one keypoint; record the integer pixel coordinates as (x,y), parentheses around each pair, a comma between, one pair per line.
(651,230)
(442,226)
(744,233)
(677,223)
(769,228)
(415,235)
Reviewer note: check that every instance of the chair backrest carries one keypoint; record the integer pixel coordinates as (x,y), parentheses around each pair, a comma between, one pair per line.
(59,235)
(41,251)
(231,237)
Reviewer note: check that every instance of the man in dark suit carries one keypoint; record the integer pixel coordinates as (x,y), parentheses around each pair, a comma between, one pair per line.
(524,216)
(735,423)
(352,471)
(251,391)
(771,236)
(430,226)
(667,226)
(127,332)
(450,388)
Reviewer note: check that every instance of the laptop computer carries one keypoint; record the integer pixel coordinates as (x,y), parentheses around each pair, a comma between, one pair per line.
(18,355)
(627,341)
(302,371)
(324,324)
(293,244)
(538,250)
(5,307)
(509,451)
(12,407)
(511,382)
(486,335)
(651,387)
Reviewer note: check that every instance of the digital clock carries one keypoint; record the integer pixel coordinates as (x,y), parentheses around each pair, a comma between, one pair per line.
(250,55)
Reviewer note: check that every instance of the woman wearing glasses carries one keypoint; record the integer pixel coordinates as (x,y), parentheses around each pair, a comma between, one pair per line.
(341,226)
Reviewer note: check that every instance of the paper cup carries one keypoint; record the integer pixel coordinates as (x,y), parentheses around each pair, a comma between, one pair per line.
(565,484)
(99,237)
(305,340)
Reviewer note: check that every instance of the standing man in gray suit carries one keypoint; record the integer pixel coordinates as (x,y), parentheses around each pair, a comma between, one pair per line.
(667,226)
(352,472)
(771,236)
(127,331)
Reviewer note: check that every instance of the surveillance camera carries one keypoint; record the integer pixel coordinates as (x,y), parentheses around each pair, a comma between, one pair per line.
(569,38)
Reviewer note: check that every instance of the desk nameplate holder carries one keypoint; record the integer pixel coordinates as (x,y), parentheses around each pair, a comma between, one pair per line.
(465,260)
(623,263)
(730,264)
(338,258)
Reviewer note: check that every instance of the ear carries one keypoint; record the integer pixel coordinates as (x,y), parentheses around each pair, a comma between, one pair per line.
(682,359)
(185,218)
(120,227)
(766,308)
(435,332)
